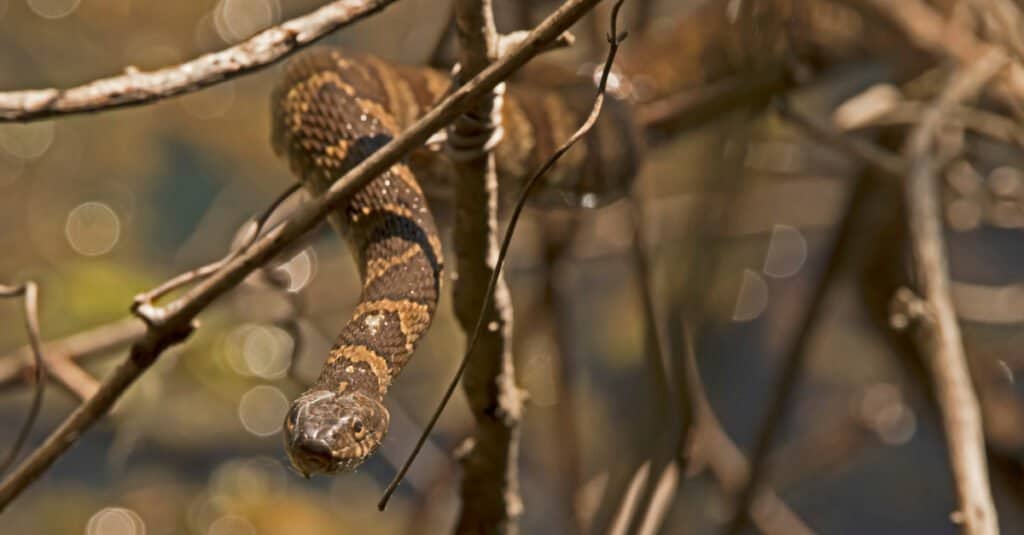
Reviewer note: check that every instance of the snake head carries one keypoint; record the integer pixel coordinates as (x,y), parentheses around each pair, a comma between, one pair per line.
(327,432)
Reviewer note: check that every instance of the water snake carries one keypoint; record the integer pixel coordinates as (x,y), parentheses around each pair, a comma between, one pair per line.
(333,109)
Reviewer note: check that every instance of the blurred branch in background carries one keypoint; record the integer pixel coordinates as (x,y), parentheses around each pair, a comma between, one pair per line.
(937,331)
(842,250)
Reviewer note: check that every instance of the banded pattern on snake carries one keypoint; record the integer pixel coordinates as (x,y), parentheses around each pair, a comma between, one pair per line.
(332,110)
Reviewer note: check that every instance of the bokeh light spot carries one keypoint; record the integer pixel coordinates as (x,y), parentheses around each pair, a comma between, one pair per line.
(300,270)
(26,141)
(115,521)
(963,214)
(235,20)
(53,9)
(262,410)
(787,252)
(231,525)
(752,298)
(267,351)
(92,228)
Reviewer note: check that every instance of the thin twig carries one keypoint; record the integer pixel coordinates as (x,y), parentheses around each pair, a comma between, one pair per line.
(29,294)
(938,334)
(930,31)
(142,304)
(135,87)
(877,157)
(175,324)
(17,364)
(558,238)
(670,428)
(713,447)
(615,41)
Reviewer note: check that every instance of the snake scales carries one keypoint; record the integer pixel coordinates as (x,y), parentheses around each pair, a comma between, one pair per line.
(333,109)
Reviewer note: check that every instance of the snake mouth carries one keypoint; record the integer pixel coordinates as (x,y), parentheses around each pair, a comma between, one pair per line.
(312,457)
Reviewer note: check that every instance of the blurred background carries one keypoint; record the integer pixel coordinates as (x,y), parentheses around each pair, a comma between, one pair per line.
(98,208)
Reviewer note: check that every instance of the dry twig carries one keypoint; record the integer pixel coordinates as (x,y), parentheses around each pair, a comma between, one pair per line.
(938,334)
(29,294)
(928,30)
(843,248)
(134,87)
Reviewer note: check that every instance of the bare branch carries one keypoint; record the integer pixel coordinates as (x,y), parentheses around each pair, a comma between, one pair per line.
(176,322)
(489,493)
(868,153)
(842,250)
(712,446)
(29,294)
(142,304)
(135,87)
(928,30)
(96,341)
(507,239)
(938,334)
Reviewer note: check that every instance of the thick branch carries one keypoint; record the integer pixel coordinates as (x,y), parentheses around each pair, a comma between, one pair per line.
(134,87)
(179,315)
(938,334)
(490,501)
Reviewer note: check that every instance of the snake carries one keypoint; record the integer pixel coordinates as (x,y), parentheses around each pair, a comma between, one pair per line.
(333,108)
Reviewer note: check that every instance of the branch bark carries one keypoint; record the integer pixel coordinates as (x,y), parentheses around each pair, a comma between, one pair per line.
(490,501)
(177,317)
(135,88)
(937,333)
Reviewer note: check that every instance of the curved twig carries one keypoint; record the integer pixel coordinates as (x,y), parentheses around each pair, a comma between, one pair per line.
(29,293)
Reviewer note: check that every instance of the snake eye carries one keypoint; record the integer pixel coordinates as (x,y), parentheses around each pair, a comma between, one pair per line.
(357,428)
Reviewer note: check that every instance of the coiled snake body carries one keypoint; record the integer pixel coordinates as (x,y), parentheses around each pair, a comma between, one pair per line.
(332,110)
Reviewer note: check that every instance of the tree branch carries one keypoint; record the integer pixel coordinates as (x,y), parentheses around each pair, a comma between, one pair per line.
(134,87)
(937,333)
(30,297)
(489,496)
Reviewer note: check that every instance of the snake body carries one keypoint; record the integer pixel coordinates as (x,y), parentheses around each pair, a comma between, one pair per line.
(330,111)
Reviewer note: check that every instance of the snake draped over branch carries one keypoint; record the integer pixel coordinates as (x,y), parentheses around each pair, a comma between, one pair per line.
(332,110)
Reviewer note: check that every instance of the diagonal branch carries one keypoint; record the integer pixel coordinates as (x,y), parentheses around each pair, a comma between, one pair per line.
(134,87)
(176,321)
